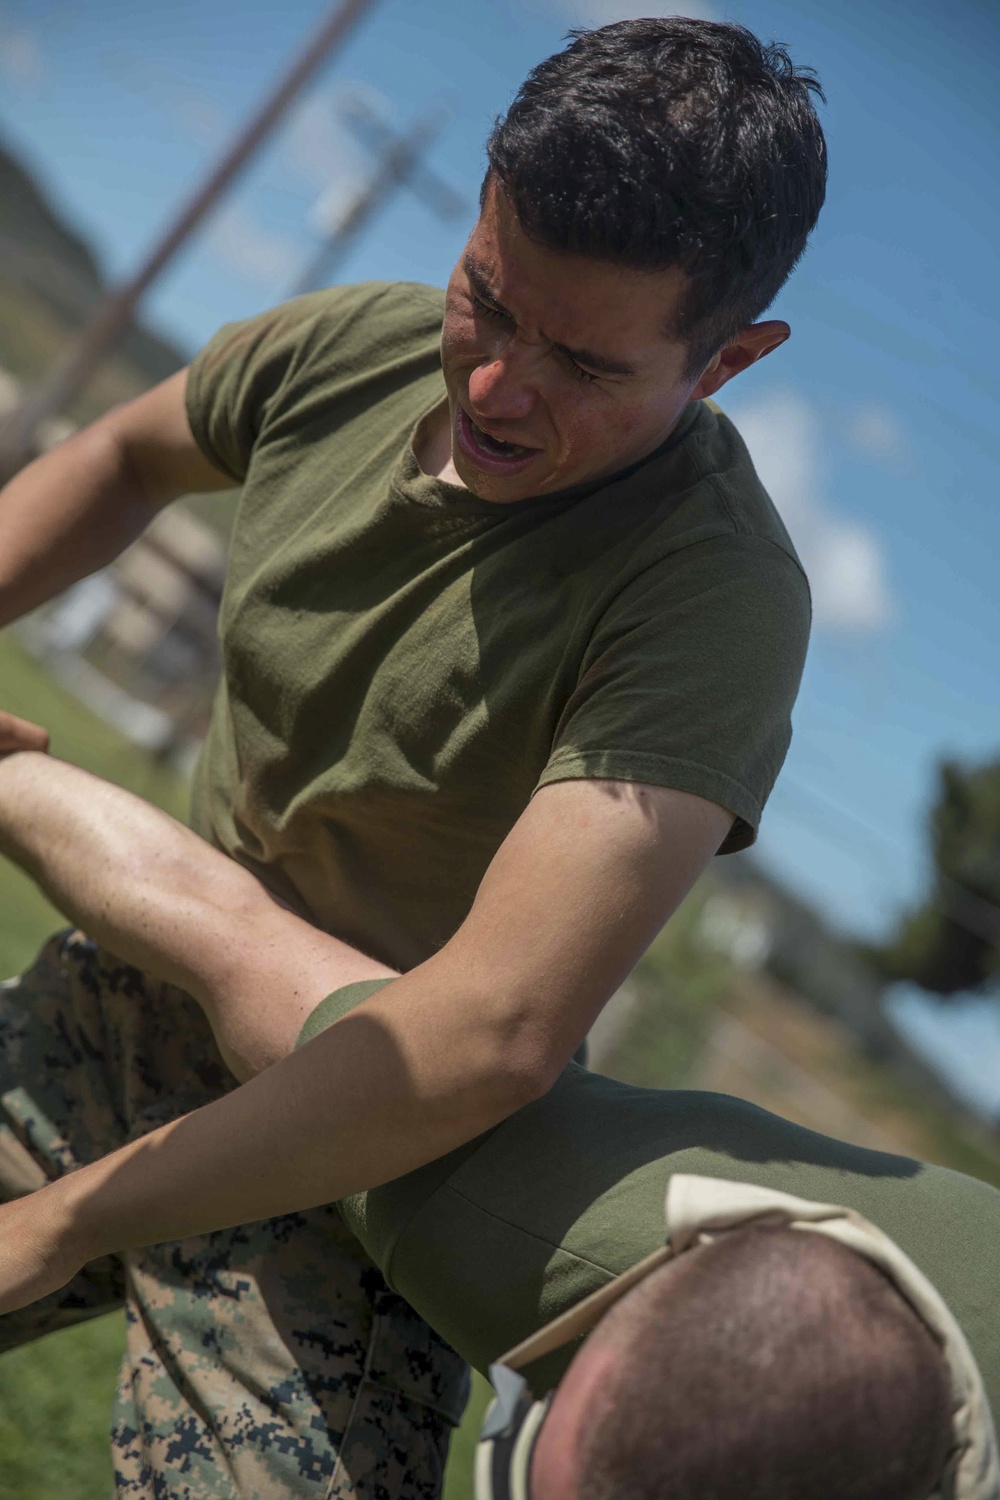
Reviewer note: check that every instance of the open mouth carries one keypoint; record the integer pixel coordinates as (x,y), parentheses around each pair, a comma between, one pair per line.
(488,452)
(497,445)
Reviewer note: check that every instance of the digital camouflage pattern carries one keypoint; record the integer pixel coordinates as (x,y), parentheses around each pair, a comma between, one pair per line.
(262,1362)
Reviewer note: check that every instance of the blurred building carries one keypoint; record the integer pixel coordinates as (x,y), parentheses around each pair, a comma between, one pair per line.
(138,641)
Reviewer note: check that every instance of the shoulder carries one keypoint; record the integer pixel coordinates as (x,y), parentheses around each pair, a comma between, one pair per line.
(353,320)
(402,302)
(303,354)
(698,510)
(371,311)
(721,457)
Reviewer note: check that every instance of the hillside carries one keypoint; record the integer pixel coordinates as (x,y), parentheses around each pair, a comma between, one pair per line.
(50,283)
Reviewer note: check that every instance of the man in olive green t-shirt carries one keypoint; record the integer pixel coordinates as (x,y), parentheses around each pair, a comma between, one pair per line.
(368,759)
(511,637)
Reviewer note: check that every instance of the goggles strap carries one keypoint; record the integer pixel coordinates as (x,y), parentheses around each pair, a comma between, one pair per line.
(503,1457)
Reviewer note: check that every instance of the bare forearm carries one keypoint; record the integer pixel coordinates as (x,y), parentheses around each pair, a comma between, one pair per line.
(161,898)
(409,1075)
(64,516)
(76,508)
(117,866)
(405,1078)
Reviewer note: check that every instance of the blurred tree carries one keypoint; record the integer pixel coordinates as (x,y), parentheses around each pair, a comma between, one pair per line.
(952,941)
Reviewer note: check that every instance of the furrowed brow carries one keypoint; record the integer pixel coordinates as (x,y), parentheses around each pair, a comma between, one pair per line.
(601,363)
(480,284)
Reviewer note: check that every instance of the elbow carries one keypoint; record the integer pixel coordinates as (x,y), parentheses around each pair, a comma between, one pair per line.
(540,1072)
(521,1060)
(523,1083)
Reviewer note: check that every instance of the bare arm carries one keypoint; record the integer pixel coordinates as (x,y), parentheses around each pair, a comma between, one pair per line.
(573,897)
(161,898)
(75,508)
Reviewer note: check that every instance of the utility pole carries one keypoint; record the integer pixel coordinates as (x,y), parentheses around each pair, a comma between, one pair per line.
(399,165)
(68,376)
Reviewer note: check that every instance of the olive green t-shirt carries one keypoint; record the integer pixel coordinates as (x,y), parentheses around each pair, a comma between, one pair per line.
(404,663)
(514,1228)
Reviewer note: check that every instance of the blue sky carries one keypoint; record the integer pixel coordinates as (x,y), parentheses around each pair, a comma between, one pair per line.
(875,427)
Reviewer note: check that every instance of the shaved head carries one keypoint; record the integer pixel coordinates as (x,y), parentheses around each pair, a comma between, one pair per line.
(770,1364)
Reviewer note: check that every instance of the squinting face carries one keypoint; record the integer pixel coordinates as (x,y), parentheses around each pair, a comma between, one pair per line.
(557,368)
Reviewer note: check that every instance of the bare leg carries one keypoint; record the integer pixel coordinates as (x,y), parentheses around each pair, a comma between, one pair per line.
(159,897)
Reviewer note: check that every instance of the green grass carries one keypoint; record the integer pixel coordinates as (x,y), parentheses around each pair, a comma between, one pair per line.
(55,1409)
(458,1480)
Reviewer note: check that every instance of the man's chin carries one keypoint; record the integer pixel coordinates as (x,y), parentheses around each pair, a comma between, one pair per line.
(498,488)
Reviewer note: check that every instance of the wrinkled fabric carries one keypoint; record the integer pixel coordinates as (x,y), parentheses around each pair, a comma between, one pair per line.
(405,663)
(264,1361)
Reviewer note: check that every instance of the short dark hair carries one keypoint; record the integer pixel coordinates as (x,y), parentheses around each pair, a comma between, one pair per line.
(782,1366)
(670,142)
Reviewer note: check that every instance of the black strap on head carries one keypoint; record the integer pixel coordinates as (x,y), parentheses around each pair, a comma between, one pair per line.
(508,1437)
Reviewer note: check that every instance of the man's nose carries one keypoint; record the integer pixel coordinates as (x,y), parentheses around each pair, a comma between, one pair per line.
(501,389)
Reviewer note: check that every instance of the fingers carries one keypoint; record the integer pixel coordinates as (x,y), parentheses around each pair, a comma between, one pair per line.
(18,734)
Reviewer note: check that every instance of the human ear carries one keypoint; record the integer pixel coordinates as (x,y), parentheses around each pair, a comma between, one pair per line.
(749,345)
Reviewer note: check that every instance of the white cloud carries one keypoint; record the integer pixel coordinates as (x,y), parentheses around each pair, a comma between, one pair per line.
(318,148)
(319,157)
(603,12)
(844,558)
(194,111)
(22,61)
(255,253)
(200,118)
(875,432)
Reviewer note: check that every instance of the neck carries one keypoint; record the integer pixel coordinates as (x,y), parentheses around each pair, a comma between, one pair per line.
(432,446)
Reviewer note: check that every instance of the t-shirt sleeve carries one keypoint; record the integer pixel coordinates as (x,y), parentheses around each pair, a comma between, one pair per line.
(251,370)
(690,677)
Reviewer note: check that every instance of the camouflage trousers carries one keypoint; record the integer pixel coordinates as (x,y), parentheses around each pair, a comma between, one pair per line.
(261,1362)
